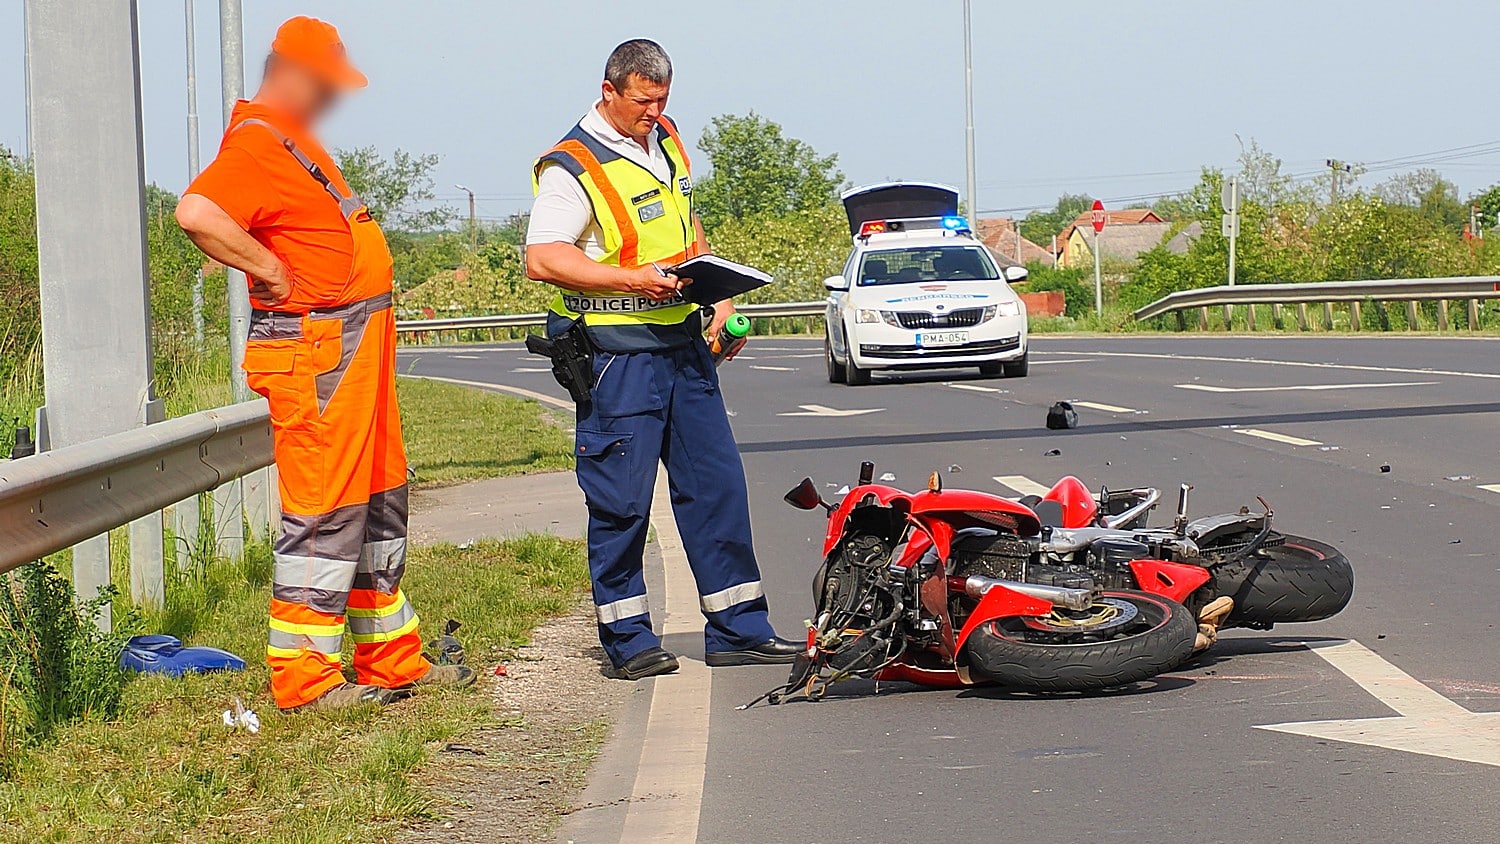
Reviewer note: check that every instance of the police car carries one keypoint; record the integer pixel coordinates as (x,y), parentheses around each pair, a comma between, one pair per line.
(919,291)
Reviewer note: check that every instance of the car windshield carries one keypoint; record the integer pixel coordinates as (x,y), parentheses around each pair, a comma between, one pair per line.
(946,263)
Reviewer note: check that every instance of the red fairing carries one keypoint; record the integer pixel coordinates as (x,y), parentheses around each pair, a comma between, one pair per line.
(840,514)
(1000,602)
(1078,504)
(1170,580)
(964,508)
(905,672)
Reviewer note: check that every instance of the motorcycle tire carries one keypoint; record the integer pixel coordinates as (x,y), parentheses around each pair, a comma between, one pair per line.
(999,651)
(1292,579)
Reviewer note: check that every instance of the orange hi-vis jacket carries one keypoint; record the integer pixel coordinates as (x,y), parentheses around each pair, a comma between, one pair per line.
(327,367)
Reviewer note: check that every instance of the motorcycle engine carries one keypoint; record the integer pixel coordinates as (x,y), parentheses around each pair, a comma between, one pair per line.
(859,600)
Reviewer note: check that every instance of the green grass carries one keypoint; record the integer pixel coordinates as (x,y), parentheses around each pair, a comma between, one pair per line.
(167,770)
(458,434)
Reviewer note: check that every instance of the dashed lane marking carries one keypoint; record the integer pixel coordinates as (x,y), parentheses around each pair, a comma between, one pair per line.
(531,369)
(1056,362)
(1107,408)
(1286,439)
(1425,721)
(502,388)
(1350,367)
(976,388)
(1210,388)
(1022,485)
(774,368)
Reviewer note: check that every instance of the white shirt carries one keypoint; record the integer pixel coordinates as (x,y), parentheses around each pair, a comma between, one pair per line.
(562,212)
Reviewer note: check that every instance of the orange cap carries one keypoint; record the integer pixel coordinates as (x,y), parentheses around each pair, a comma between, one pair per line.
(315,45)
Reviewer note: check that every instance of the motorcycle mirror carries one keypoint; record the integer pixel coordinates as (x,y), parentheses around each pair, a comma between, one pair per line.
(804,496)
(866,473)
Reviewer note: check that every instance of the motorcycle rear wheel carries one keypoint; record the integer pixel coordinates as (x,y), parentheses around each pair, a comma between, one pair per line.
(1016,655)
(1292,579)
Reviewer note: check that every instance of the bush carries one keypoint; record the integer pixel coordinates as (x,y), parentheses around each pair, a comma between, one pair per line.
(58,666)
(1075,283)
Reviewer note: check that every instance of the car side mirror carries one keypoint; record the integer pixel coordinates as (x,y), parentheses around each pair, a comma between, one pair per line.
(804,496)
(1016,274)
(836,283)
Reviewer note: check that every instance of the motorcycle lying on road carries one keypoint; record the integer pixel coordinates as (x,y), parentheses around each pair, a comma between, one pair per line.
(1062,593)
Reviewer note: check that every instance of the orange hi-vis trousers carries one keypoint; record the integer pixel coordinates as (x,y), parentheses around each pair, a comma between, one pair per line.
(330,378)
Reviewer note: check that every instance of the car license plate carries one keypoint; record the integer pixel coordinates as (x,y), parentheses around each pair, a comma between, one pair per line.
(937,339)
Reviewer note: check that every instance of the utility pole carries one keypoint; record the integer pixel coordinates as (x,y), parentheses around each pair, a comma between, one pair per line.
(229,499)
(1017,225)
(970,185)
(473,220)
(192,138)
(1335,168)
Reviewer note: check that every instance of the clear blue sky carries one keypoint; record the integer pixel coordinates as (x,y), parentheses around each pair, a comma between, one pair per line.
(1116,99)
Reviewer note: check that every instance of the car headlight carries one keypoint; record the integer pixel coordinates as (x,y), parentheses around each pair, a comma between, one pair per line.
(865,316)
(1009,308)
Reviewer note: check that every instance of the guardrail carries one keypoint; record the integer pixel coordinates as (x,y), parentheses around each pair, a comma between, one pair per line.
(499,321)
(1408,290)
(58,498)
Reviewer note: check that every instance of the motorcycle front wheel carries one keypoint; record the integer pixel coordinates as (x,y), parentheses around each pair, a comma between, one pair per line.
(1126,637)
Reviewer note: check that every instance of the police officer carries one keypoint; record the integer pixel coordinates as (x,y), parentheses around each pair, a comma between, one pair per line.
(614,205)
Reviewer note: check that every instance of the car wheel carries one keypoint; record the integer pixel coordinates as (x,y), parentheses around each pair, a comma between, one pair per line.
(992,370)
(836,370)
(1017,368)
(854,376)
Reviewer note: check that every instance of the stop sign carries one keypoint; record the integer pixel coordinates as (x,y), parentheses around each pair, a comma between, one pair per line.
(1099,216)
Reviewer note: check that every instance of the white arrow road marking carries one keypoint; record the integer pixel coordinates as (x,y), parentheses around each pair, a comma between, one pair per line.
(977,388)
(667,798)
(1288,439)
(1425,723)
(1022,485)
(774,368)
(820,410)
(1490,487)
(1209,388)
(1107,408)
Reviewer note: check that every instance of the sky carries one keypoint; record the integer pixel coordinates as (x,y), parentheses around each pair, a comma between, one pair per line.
(1118,99)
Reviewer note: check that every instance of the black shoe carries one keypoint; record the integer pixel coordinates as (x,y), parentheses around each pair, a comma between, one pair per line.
(777,651)
(648,663)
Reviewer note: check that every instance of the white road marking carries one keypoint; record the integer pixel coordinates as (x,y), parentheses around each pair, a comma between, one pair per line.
(1022,485)
(774,368)
(667,798)
(1054,362)
(1275,437)
(466,357)
(781,357)
(1351,367)
(531,369)
(977,388)
(1490,487)
(1107,408)
(1425,721)
(1209,388)
(828,412)
(515,391)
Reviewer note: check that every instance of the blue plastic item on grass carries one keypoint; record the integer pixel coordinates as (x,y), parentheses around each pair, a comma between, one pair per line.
(162,654)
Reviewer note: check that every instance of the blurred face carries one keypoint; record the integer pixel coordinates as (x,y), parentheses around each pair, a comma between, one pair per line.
(305,94)
(635,110)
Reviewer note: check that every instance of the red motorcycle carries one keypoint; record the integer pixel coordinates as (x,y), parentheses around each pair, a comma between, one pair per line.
(894,602)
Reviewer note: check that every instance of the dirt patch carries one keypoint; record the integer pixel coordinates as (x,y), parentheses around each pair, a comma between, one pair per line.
(514,780)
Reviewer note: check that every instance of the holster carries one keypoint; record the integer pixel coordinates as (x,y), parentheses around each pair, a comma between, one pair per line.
(572,357)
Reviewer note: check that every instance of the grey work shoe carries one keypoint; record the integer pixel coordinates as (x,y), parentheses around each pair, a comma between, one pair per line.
(445,676)
(347,696)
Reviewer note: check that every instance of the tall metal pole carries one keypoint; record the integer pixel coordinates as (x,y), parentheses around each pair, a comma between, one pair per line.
(192,140)
(1234,223)
(970,185)
(229,498)
(91,247)
(1098,279)
(473,219)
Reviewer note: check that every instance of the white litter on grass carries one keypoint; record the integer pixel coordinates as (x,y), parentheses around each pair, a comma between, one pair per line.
(241,718)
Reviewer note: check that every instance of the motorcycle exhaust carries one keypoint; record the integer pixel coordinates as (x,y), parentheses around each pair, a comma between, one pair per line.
(975,585)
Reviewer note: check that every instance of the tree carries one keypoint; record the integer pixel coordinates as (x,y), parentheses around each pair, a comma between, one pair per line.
(798,250)
(398,191)
(20,293)
(1433,196)
(1040,226)
(758,171)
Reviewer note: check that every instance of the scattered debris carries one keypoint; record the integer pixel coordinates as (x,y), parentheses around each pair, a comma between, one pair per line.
(241,718)
(1052,452)
(1328,448)
(1385,468)
(463,748)
(888,477)
(1459,478)
(446,649)
(955,469)
(1380,635)
(163,654)
(1455,542)
(1062,416)
(844,490)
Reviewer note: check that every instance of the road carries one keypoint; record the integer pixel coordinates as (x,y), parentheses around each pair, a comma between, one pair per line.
(1307,423)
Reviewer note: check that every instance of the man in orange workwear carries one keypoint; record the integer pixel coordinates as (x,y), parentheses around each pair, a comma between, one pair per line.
(322,349)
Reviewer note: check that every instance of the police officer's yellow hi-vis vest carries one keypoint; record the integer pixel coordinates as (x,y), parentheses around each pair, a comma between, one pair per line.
(644,221)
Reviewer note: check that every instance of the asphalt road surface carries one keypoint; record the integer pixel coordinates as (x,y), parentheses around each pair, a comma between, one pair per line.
(1305,422)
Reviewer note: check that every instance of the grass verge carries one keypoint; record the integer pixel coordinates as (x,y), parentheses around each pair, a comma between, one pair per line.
(456,434)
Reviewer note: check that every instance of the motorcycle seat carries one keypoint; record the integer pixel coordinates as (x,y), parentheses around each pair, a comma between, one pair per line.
(1049,513)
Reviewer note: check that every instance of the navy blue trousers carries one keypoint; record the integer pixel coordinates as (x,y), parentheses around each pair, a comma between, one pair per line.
(665,407)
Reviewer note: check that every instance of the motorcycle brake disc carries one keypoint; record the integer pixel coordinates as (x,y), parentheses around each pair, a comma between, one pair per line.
(1105,614)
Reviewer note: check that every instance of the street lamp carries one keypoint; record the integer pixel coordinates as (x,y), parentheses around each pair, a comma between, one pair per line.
(473,221)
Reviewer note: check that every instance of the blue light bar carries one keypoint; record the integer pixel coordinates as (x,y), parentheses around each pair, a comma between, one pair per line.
(955,224)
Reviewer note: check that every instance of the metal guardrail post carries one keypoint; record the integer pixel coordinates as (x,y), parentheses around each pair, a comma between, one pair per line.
(187,526)
(1411,316)
(1473,314)
(229,519)
(1442,315)
(1356,316)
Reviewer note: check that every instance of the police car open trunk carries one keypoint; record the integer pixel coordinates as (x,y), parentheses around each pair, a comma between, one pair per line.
(898,201)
